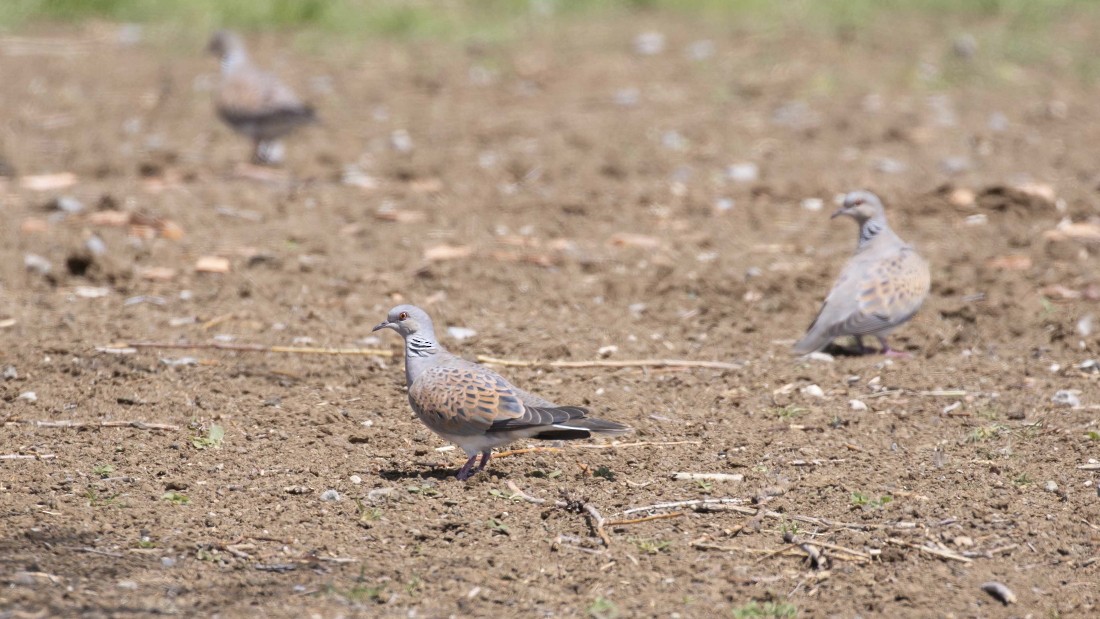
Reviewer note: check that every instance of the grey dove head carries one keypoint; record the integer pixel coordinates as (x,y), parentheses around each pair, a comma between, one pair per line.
(861,206)
(225,43)
(407,320)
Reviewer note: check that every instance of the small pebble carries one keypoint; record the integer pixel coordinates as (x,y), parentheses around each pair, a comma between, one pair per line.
(889,165)
(1067,397)
(743,172)
(29,396)
(627,97)
(69,205)
(649,43)
(401,141)
(701,50)
(36,264)
(813,204)
(461,333)
(355,479)
(330,495)
(1084,325)
(999,592)
(10,373)
(167,562)
(378,493)
(1051,486)
(857,405)
(813,391)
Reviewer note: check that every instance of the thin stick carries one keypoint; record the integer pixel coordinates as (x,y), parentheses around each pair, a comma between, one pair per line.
(520,494)
(950,393)
(598,521)
(65,423)
(691,503)
(627,363)
(619,523)
(94,551)
(28,456)
(295,350)
(939,552)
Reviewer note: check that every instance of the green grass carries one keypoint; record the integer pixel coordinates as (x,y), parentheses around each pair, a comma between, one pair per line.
(776,610)
(493,19)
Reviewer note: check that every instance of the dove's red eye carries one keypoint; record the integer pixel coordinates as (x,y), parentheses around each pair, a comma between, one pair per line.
(403,316)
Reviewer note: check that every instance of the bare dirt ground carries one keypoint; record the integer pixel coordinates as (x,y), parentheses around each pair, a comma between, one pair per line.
(582,196)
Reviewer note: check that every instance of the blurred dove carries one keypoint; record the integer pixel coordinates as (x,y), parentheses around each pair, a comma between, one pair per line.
(473,406)
(253,102)
(881,287)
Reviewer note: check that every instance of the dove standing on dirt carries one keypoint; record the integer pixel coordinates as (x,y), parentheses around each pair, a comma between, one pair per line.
(473,406)
(881,287)
(253,102)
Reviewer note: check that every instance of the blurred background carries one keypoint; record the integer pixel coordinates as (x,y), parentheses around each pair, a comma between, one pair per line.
(570,179)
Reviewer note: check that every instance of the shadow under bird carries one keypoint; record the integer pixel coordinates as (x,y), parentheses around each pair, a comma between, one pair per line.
(254,102)
(882,286)
(474,407)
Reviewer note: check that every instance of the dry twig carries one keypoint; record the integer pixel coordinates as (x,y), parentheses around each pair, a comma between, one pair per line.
(619,523)
(607,363)
(65,423)
(28,456)
(597,521)
(939,552)
(295,350)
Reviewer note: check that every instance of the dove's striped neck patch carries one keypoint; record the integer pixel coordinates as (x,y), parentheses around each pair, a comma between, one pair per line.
(416,346)
(869,230)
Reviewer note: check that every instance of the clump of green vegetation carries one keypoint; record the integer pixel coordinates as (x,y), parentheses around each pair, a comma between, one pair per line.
(603,608)
(652,546)
(367,515)
(1092,435)
(424,490)
(868,502)
(498,527)
(786,413)
(95,499)
(103,471)
(215,434)
(765,610)
(175,497)
(984,433)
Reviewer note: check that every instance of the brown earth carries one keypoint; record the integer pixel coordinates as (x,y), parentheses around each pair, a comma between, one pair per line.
(541,159)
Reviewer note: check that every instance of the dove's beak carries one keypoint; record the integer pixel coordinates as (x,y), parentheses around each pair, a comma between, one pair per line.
(837,213)
(382,325)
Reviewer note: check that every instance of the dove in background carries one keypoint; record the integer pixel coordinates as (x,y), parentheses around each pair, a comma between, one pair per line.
(882,286)
(253,102)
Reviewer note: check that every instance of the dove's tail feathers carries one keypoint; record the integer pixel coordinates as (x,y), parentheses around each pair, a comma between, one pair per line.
(811,342)
(597,426)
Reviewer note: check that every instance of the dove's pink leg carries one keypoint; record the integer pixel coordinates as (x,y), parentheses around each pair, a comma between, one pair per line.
(890,352)
(485,455)
(464,473)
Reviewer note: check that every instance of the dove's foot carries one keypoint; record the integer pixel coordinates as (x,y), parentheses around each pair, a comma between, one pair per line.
(890,352)
(466,471)
(485,455)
